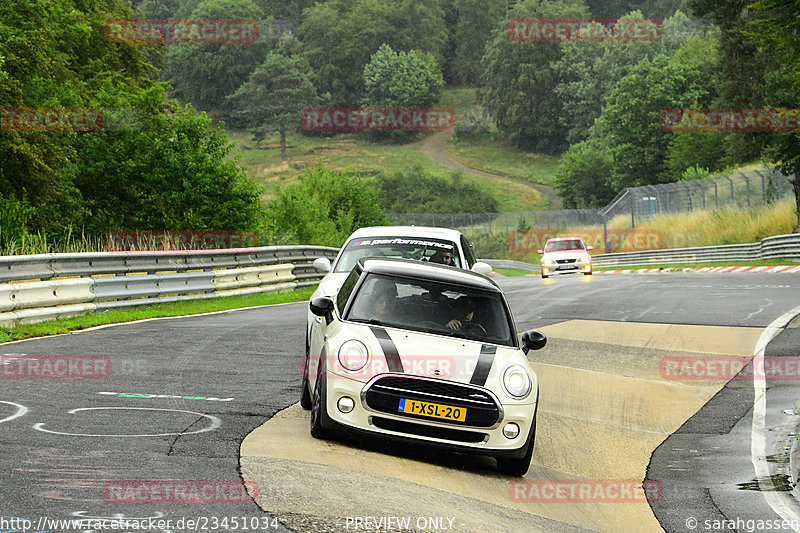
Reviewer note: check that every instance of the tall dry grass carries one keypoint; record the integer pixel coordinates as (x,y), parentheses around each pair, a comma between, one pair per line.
(722,226)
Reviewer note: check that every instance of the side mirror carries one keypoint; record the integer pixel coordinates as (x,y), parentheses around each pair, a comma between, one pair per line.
(481,268)
(533,340)
(589,248)
(322,306)
(539,251)
(322,264)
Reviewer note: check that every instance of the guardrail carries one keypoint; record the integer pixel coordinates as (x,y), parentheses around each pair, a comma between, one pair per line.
(778,247)
(35,288)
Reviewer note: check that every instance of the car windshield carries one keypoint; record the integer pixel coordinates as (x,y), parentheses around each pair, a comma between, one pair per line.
(432,307)
(434,250)
(567,245)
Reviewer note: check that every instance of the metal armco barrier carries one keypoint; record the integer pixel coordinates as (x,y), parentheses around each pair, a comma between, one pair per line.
(778,247)
(33,288)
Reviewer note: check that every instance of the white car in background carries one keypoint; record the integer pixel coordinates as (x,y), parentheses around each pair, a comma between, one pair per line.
(564,255)
(406,242)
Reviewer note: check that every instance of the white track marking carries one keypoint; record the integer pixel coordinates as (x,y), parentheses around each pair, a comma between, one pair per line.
(782,503)
(216,423)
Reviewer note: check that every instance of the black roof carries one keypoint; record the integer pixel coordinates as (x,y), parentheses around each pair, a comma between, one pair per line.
(423,270)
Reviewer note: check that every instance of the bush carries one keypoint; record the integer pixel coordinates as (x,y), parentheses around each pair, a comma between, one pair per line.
(323,208)
(414,191)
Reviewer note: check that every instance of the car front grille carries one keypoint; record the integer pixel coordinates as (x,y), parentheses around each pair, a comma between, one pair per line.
(565,261)
(384,395)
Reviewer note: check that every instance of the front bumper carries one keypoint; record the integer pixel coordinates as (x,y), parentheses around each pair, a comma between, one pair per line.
(458,437)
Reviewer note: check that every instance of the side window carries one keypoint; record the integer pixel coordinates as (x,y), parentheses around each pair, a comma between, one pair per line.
(347,288)
(467,252)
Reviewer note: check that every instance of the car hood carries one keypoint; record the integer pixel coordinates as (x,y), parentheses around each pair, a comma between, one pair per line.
(426,354)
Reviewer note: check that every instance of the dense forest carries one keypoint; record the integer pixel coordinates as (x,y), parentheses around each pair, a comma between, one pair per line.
(597,105)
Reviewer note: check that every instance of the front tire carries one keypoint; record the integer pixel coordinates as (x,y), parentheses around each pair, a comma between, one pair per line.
(318,408)
(305,395)
(518,467)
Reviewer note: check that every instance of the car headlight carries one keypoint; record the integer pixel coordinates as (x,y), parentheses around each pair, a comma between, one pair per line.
(547,261)
(585,259)
(353,355)
(516,382)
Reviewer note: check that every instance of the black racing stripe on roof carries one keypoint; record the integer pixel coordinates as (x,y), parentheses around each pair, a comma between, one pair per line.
(393,362)
(484,365)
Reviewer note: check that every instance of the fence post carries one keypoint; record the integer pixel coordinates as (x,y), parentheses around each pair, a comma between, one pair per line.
(471,224)
(747,181)
(716,196)
(733,198)
(633,209)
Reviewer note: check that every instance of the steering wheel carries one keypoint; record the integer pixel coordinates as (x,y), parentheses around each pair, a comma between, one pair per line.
(473,328)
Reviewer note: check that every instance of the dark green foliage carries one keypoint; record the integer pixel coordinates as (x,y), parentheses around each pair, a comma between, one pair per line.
(205,73)
(414,191)
(582,174)
(273,97)
(324,208)
(519,80)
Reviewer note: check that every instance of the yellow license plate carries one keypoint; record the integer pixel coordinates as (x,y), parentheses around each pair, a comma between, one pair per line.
(434,410)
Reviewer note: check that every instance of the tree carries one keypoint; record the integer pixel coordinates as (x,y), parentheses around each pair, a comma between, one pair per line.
(519,80)
(205,73)
(777,30)
(171,172)
(324,208)
(582,173)
(588,73)
(404,79)
(476,20)
(630,122)
(274,96)
(339,37)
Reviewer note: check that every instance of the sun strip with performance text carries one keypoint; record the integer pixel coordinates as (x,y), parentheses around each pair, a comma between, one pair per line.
(484,365)
(393,362)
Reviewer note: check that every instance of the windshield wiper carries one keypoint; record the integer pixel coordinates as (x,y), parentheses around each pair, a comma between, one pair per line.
(372,321)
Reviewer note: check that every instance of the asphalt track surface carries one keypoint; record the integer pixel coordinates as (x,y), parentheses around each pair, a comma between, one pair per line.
(221,376)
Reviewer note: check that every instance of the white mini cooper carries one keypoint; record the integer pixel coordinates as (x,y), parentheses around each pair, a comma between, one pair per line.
(422,352)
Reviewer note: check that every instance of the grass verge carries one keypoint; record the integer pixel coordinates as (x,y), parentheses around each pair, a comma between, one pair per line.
(512,272)
(193,307)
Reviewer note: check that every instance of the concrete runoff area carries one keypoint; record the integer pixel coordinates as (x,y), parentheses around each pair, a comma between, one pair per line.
(605,405)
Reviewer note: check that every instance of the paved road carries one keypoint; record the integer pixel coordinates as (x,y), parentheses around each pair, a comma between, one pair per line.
(202,384)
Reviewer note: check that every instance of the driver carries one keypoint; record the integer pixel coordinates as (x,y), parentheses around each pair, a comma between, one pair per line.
(464,310)
(444,257)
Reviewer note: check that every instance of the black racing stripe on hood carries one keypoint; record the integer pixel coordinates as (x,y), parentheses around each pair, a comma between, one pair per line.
(484,365)
(393,362)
